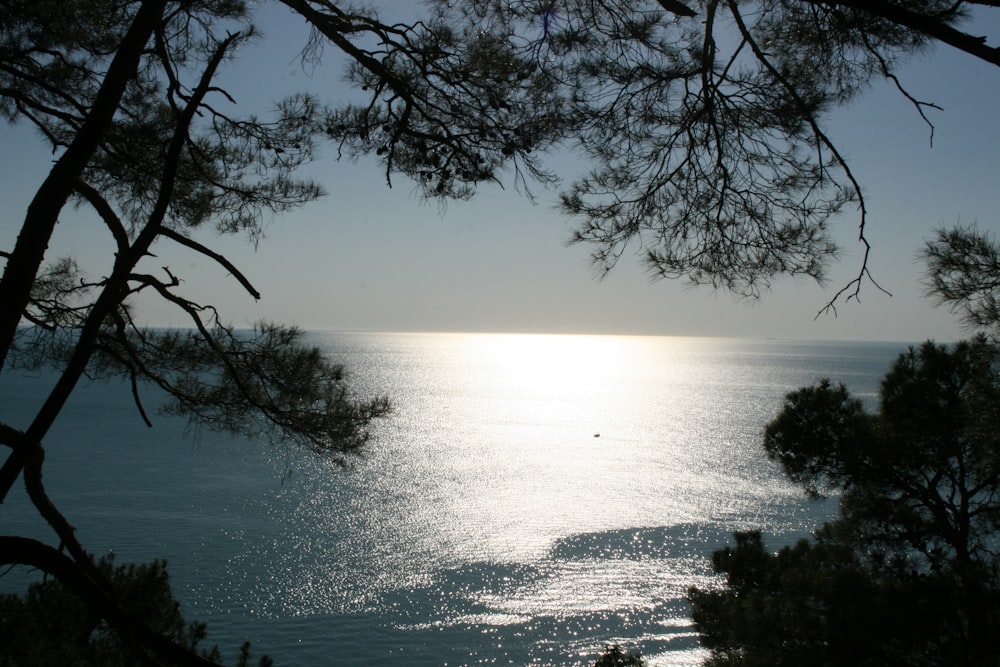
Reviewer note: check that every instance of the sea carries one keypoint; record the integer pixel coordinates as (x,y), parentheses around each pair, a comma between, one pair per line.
(531,499)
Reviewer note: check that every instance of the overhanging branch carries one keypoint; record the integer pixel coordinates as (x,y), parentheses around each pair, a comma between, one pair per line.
(208,252)
(925,25)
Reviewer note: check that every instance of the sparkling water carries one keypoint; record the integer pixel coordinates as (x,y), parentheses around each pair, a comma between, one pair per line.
(531,498)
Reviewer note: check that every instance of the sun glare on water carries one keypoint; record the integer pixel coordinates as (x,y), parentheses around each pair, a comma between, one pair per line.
(530,498)
(589,378)
(519,440)
(566,488)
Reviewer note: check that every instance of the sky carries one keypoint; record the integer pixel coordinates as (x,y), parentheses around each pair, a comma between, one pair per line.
(372,258)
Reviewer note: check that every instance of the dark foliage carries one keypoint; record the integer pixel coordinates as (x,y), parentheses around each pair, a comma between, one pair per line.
(818,603)
(51,626)
(909,572)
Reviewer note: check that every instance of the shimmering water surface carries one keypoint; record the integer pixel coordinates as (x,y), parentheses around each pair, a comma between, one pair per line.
(531,498)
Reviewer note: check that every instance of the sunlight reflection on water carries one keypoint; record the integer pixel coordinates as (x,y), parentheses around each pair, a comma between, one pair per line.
(551,490)
(531,498)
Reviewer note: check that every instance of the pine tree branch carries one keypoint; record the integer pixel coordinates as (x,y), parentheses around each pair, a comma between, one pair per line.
(925,25)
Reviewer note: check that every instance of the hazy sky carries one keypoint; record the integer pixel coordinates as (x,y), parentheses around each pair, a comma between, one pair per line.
(370,258)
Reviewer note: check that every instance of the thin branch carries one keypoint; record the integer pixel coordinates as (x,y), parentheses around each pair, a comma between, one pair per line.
(208,252)
(887,73)
(840,160)
(120,327)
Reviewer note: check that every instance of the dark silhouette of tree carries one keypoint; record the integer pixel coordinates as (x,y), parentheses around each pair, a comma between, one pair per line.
(702,122)
(124,94)
(909,571)
(75,635)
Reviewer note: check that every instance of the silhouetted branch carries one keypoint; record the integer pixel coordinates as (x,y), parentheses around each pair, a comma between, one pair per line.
(106,213)
(889,74)
(678,8)
(211,254)
(926,25)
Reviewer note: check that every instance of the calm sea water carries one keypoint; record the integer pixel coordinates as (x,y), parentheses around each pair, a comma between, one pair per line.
(531,499)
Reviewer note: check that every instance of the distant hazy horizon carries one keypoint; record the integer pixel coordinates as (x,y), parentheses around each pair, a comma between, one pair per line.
(613,334)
